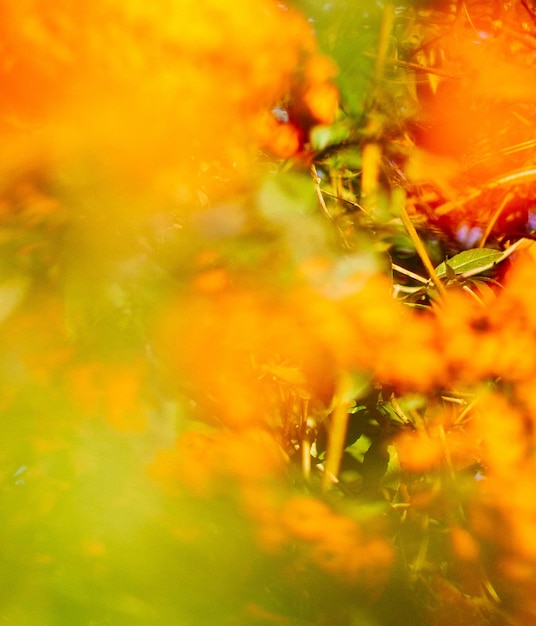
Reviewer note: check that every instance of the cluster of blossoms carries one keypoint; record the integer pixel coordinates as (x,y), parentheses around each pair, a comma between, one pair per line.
(275,361)
(461,342)
(159,88)
(335,543)
(142,275)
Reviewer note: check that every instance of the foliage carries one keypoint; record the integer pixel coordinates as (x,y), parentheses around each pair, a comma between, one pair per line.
(267,313)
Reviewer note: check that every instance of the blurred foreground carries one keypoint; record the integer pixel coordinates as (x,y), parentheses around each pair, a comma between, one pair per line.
(267,358)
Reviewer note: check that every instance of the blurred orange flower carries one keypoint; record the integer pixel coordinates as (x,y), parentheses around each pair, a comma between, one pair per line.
(126,87)
(202,462)
(335,543)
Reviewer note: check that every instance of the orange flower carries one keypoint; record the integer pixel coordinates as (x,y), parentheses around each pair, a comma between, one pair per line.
(501,428)
(189,462)
(335,543)
(322,101)
(440,442)
(230,347)
(492,77)
(410,358)
(281,139)
(306,518)
(504,514)
(154,97)
(33,338)
(419,452)
(207,462)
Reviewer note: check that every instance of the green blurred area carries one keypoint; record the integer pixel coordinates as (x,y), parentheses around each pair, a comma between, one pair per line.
(89,537)
(346,31)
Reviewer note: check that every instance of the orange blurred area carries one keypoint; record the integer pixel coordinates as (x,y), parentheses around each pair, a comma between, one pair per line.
(207,463)
(237,344)
(263,353)
(205,351)
(158,87)
(482,111)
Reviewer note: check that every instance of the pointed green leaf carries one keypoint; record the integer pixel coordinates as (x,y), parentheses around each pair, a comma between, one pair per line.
(450,273)
(469,260)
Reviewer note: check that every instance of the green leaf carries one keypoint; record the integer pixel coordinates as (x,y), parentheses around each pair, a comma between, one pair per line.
(450,273)
(359,448)
(356,427)
(359,423)
(347,31)
(391,478)
(324,136)
(348,159)
(469,260)
(375,464)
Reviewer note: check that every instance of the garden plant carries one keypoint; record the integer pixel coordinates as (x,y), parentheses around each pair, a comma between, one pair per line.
(268,313)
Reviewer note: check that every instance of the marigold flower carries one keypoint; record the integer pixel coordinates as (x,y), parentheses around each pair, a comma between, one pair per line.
(501,428)
(410,358)
(335,543)
(189,462)
(470,344)
(322,101)
(418,452)
(504,515)
(246,332)
(524,392)
(35,340)
(281,139)
(204,462)
(306,518)
(145,86)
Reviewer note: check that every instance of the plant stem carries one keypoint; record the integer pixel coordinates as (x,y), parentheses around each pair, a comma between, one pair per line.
(421,250)
(337,430)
